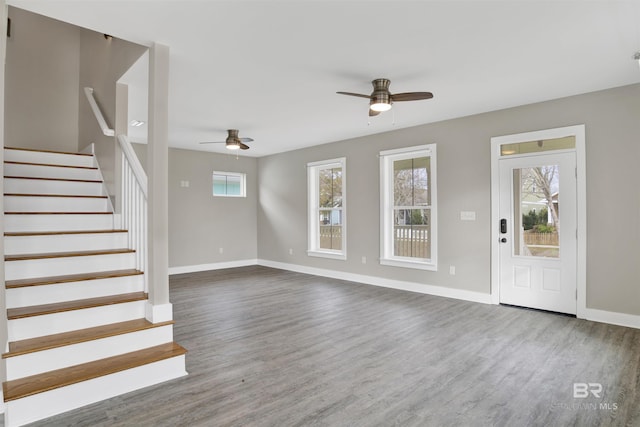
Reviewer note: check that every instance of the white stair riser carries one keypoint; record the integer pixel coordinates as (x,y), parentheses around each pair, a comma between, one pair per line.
(60,292)
(71,222)
(76,354)
(44,186)
(49,324)
(37,244)
(13,169)
(55,204)
(42,405)
(48,158)
(67,265)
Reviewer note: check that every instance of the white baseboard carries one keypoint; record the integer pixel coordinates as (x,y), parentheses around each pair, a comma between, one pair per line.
(380,281)
(213,266)
(613,318)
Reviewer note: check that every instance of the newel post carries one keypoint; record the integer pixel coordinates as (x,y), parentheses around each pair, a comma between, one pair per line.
(159,308)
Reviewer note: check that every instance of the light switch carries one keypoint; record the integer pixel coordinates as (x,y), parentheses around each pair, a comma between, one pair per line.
(467,215)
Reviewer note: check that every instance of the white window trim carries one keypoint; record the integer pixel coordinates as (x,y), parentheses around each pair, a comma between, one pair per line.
(387,158)
(243,184)
(313,248)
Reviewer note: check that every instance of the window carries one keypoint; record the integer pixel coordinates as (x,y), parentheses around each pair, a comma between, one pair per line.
(229,184)
(408,207)
(327,208)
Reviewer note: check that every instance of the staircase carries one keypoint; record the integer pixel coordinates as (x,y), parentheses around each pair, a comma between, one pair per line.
(75,300)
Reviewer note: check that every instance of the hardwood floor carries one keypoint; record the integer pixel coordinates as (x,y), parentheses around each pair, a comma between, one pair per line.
(275,348)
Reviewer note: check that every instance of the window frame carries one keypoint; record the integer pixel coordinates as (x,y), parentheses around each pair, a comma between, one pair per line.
(313,208)
(243,183)
(387,158)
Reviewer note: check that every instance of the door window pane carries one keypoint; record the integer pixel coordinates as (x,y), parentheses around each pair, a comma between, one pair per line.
(536,211)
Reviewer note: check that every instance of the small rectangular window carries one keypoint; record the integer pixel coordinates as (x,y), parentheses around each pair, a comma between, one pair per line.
(229,184)
(327,208)
(408,207)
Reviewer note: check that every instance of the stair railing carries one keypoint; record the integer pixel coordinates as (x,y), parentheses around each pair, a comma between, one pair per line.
(134,191)
(96,112)
(134,203)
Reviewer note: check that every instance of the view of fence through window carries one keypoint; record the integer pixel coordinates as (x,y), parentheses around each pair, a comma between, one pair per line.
(412,208)
(330,208)
(536,204)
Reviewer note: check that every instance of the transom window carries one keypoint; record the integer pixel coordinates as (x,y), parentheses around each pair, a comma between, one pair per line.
(327,208)
(408,207)
(229,184)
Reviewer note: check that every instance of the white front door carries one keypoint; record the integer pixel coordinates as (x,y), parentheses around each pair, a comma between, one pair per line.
(537,231)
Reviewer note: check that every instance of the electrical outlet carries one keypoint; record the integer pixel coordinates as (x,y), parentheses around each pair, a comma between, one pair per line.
(452,270)
(290,251)
(364,259)
(221,250)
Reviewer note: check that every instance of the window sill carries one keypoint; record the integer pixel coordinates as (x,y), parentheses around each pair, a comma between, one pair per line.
(330,255)
(419,265)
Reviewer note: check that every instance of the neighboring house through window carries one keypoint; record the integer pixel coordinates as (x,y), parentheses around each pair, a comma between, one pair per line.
(326,182)
(408,207)
(229,184)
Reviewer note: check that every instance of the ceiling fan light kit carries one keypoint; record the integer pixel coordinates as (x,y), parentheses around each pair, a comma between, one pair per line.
(381,99)
(233,142)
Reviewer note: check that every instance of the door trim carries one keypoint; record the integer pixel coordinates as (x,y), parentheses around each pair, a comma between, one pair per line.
(578,131)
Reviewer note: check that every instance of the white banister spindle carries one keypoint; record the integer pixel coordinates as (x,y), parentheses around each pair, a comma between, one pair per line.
(134,204)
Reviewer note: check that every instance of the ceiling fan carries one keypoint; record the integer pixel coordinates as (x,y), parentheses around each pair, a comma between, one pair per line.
(233,142)
(381,99)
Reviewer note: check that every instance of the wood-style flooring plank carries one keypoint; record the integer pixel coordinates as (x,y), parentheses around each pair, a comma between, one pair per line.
(95,181)
(18,348)
(59,233)
(72,196)
(48,151)
(28,386)
(12,162)
(48,255)
(52,280)
(39,310)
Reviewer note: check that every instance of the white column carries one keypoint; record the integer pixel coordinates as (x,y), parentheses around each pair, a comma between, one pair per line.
(159,308)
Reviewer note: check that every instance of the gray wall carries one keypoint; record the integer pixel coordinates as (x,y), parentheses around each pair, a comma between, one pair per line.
(200,224)
(41,90)
(102,63)
(613,199)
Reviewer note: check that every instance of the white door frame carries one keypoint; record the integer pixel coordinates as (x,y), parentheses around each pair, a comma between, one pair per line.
(578,131)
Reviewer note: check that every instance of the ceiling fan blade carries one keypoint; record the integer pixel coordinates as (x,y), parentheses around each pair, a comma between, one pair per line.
(212,142)
(245,139)
(244,146)
(354,94)
(411,96)
(373,113)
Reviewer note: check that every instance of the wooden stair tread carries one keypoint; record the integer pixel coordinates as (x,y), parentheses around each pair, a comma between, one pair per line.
(40,383)
(25,257)
(58,213)
(32,345)
(54,195)
(39,310)
(95,181)
(48,151)
(13,162)
(52,280)
(58,233)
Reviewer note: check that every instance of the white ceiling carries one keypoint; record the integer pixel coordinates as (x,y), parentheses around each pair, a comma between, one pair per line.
(271,68)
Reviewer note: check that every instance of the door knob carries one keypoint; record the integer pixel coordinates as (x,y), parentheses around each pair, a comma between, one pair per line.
(503,240)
